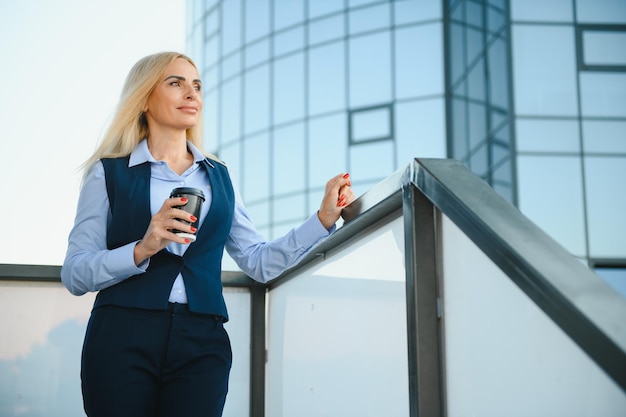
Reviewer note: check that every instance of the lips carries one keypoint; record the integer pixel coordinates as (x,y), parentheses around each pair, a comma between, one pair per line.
(189,109)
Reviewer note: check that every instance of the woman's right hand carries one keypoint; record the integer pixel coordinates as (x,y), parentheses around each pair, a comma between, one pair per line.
(159,233)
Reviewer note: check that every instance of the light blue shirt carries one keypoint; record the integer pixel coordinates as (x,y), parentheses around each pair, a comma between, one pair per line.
(90,266)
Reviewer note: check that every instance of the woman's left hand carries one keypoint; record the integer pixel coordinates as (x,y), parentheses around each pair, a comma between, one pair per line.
(338,195)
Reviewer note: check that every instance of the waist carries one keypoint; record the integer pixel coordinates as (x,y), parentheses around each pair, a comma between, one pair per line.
(183,310)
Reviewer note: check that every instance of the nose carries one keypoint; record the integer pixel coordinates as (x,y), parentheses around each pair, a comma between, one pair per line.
(191,93)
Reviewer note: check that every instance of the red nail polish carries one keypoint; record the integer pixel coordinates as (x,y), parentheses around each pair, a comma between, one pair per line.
(187,240)
(346,175)
(342,196)
(194,218)
(183,199)
(193,230)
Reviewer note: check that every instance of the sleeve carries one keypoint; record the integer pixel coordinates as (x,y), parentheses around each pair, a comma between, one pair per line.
(89,265)
(263,260)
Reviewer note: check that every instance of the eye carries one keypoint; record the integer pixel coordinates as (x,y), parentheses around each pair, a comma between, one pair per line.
(175,83)
(197,87)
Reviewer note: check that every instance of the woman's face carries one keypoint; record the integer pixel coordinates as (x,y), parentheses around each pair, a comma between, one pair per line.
(176,101)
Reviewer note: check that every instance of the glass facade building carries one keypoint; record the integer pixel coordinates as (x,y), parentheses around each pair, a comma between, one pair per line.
(529,94)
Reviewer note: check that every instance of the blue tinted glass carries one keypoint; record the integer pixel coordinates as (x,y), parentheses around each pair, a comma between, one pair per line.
(540,135)
(257,53)
(542,10)
(460,146)
(477,124)
(230,122)
(231,25)
(211,24)
(615,277)
(289,208)
(231,65)
(287,13)
(476,87)
(327,85)
(211,51)
(289,88)
(257,19)
(353,3)
(371,124)
(327,149)
(231,154)
(604,48)
(257,99)
(288,41)
(605,206)
(545,70)
(601,11)
(370,18)
(370,70)
(259,212)
(479,161)
(603,94)
(604,136)
(209,116)
(495,20)
(256,168)
(420,130)
(288,159)
(498,74)
(419,61)
(372,161)
(474,14)
(457,52)
(326,29)
(550,194)
(322,7)
(475,44)
(410,11)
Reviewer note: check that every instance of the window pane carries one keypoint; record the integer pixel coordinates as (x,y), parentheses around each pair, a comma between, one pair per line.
(411,11)
(547,135)
(231,25)
(231,66)
(615,277)
(477,125)
(419,61)
(289,88)
(542,10)
(257,19)
(457,53)
(230,121)
(322,7)
(256,168)
(603,94)
(545,70)
(288,158)
(420,130)
(372,161)
(211,51)
(550,195)
(604,136)
(371,124)
(288,41)
(231,154)
(327,149)
(371,18)
(257,99)
(604,47)
(370,70)
(326,29)
(257,53)
(288,208)
(601,11)
(209,116)
(211,24)
(605,206)
(287,13)
(327,88)
(499,74)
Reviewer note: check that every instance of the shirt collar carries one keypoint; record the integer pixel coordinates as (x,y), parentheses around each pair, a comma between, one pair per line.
(142,154)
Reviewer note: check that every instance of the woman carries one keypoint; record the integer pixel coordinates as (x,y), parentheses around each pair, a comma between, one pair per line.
(155,343)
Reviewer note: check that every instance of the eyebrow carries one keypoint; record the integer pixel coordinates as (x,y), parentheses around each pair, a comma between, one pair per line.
(179,78)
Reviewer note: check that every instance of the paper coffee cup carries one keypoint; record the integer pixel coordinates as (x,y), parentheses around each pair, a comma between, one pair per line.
(195,198)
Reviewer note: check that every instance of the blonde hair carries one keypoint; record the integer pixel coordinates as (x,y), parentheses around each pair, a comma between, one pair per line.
(129,126)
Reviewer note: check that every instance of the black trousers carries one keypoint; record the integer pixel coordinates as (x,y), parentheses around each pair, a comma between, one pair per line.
(144,363)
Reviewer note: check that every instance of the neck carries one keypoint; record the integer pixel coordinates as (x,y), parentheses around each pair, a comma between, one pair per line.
(171,149)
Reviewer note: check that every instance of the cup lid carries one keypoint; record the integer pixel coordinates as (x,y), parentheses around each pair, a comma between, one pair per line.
(187,190)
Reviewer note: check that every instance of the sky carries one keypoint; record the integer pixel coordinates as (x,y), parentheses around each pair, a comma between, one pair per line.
(63,66)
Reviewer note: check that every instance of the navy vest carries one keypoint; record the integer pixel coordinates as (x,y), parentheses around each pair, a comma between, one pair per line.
(128,189)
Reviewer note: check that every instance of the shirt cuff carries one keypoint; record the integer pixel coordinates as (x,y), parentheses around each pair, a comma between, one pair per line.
(312,231)
(122,261)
